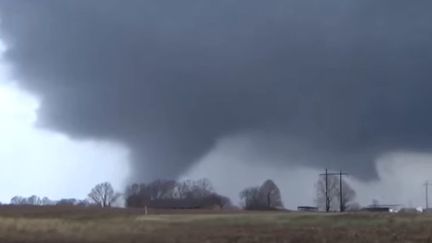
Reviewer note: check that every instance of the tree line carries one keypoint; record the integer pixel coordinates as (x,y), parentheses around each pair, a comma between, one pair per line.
(173,194)
(198,194)
(45,201)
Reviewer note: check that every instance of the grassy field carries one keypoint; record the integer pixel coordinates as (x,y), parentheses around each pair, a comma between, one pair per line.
(57,224)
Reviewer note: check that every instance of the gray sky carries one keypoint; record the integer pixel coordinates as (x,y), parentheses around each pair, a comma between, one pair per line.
(46,163)
(308,84)
(235,164)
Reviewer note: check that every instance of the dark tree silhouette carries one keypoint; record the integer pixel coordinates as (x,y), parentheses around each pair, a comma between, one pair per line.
(271,193)
(32,200)
(251,198)
(265,197)
(103,195)
(172,194)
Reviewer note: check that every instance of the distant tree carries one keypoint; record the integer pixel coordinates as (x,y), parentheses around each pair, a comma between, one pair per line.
(162,189)
(172,194)
(67,202)
(270,191)
(214,200)
(103,195)
(251,198)
(348,194)
(183,189)
(190,189)
(46,201)
(137,196)
(195,189)
(201,188)
(34,200)
(265,197)
(83,203)
(17,200)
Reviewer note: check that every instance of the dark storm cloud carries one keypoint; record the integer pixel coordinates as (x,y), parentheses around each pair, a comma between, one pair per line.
(343,81)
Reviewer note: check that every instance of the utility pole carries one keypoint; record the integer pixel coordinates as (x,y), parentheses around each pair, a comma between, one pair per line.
(326,191)
(341,207)
(427,183)
(341,204)
(327,198)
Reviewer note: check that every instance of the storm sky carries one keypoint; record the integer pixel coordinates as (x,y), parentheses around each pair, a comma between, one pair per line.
(296,84)
(37,161)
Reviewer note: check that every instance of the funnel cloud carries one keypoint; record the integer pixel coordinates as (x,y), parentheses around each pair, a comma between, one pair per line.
(317,83)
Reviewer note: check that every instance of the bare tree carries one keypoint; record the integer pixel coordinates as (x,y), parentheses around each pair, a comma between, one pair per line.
(17,200)
(265,197)
(271,193)
(46,201)
(67,202)
(194,189)
(162,189)
(201,188)
(183,189)
(333,193)
(103,195)
(138,195)
(32,200)
(251,198)
(172,194)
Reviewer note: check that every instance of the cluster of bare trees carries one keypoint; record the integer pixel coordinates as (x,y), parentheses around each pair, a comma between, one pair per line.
(45,201)
(268,196)
(174,194)
(189,194)
(32,200)
(101,195)
(264,197)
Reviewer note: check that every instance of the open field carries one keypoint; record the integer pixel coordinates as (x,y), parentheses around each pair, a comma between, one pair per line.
(59,224)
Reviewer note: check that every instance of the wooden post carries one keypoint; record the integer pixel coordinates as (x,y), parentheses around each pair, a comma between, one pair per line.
(340,192)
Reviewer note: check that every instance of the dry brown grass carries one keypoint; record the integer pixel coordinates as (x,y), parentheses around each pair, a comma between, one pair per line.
(60,224)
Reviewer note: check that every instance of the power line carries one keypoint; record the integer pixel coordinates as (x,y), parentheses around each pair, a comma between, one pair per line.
(327,198)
